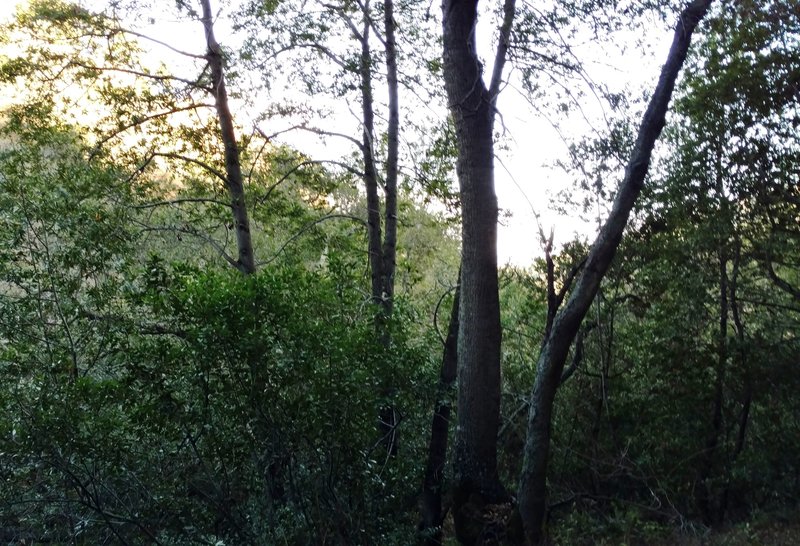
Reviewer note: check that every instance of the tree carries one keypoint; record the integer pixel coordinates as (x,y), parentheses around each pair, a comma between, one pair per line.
(293,34)
(127,96)
(567,320)
(432,515)
(234,180)
(736,102)
(473,107)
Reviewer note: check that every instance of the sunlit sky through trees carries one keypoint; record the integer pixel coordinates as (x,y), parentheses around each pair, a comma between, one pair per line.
(528,181)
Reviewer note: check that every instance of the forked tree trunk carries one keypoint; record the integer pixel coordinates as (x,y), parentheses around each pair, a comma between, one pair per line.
(233,169)
(472,106)
(382,228)
(533,485)
(382,244)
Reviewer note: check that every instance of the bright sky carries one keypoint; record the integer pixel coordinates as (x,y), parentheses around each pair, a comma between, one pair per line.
(523,182)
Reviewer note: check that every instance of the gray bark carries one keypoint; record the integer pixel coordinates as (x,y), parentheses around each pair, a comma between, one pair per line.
(233,169)
(473,109)
(382,228)
(533,485)
(389,416)
(392,152)
(368,157)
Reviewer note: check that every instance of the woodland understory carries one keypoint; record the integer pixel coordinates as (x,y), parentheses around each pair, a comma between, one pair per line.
(250,289)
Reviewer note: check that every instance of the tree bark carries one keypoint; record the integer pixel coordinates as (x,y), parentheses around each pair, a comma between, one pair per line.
(431,503)
(233,169)
(747,395)
(382,228)
(707,500)
(472,106)
(392,152)
(711,505)
(533,485)
(368,157)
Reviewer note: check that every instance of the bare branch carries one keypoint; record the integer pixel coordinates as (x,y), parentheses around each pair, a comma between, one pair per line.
(303,164)
(181,200)
(781,283)
(319,47)
(360,37)
(316,131)
(187,159)
(159,42)
(156,77)
(436,313)
(577,356)
(148,328)
(142,121)
(306,228)
(193,232)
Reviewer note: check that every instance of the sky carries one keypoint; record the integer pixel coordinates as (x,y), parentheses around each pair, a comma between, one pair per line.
(525,184)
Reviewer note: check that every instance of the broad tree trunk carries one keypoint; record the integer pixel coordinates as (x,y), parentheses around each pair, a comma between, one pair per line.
(233,169)
(431,504)
(473,109)
(533,480)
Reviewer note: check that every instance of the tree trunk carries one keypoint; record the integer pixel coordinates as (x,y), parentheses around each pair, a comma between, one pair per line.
(472,105)
(370,171)
(233,169)
(747,395)
(533,485)
(392,152)
(389,416)
(431,504)
(710,503)
(381,244)
(707,499)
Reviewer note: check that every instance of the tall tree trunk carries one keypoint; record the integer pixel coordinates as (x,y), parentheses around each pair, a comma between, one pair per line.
(389,417)
(431,504)
(392,152)
(382,244)
(370,169)
(747,395)
(533,480)
(473,109)
(233,169)
(708,499)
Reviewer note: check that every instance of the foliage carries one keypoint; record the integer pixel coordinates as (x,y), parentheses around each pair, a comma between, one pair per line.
(681,413)
(149,395)
(156,401)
